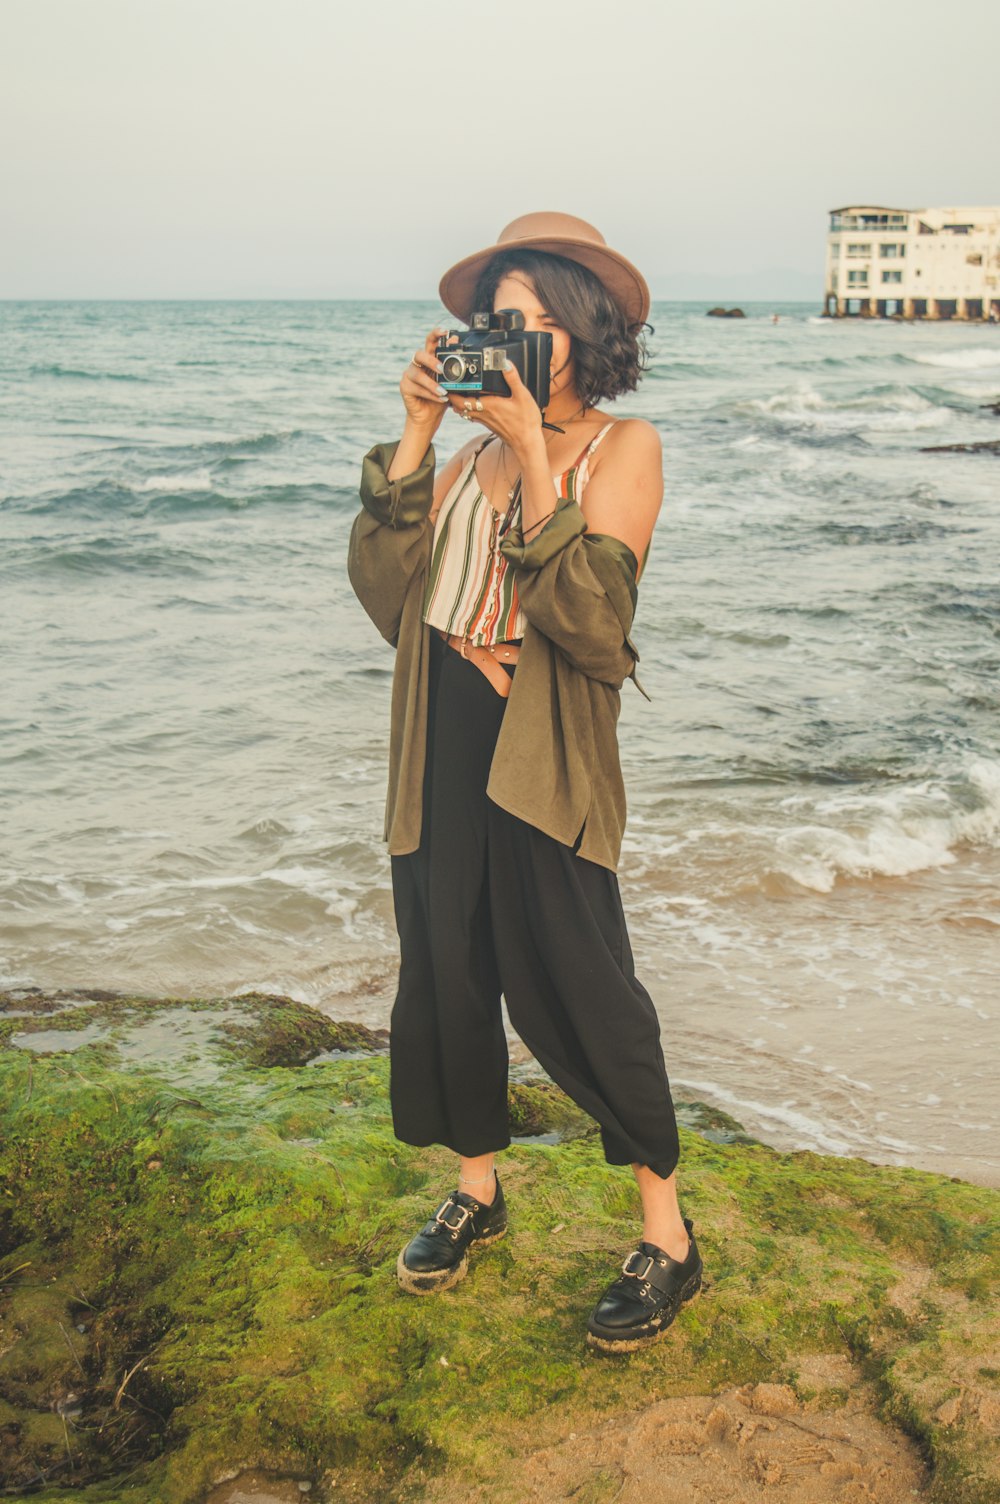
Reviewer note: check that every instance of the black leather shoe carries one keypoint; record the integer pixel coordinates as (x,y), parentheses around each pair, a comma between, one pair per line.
(437,1257)
(642,1302)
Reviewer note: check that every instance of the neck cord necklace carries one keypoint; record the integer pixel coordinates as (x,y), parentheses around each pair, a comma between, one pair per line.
(555,426)
(572,418)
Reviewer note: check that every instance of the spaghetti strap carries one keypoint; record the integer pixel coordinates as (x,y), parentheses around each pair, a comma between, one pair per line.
(600,436)
(585,453)
(582,465)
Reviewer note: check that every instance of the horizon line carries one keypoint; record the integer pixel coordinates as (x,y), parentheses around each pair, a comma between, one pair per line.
(327,298)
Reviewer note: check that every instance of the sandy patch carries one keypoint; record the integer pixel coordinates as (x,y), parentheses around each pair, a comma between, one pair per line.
(259,1487)
(749,1443)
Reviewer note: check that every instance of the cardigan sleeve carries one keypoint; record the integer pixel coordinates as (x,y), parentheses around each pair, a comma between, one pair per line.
(391,536)
(579,589)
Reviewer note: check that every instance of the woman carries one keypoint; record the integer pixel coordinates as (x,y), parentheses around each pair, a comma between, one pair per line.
(507,584)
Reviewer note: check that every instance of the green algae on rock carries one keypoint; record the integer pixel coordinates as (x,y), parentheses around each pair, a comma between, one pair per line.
(200,1210)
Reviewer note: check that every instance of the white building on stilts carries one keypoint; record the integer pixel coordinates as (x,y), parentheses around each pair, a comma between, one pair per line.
(913,263)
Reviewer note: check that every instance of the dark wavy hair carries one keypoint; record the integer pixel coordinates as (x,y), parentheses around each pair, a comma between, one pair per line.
(609,354)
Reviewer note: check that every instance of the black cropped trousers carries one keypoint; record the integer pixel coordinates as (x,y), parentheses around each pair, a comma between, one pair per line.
(490,905)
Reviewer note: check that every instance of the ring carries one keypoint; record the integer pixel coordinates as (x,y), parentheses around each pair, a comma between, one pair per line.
(479,406)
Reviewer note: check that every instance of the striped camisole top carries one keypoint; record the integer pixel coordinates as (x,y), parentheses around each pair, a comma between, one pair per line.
(470,588)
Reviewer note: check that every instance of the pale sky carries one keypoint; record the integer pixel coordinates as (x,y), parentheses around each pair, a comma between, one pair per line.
(311,148)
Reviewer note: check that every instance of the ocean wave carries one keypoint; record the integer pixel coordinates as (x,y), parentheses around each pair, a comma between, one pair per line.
(77,375)
(104,496)
(117,556)
(878,534)
(884,408)
(108,499)
(848,362)
(265,442)
(197,480)
(974,602)
(161,495)
(970,358)
(809,1131)
(166,496)
(228,453)
(675,370)
(978,389)
(339,895)
(892,832)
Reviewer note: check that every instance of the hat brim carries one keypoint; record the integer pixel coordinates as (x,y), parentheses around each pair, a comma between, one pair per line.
(624,282)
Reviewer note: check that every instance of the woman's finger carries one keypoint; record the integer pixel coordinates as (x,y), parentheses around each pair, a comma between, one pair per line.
(430,388)
(431,342)
(418,373)
(426,386)
(418,376)
(426,359)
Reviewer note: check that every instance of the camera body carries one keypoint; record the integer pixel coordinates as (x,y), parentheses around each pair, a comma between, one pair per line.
(475,364)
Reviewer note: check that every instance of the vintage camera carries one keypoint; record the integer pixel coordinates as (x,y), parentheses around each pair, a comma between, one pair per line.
(476,363)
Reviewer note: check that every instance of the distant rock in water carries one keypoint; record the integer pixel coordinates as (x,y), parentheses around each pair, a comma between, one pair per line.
(725,313)
(992,407)
(986,446)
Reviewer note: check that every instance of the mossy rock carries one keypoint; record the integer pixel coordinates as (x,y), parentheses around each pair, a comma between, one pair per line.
(540,1108)
(289,1033)
(197,1256)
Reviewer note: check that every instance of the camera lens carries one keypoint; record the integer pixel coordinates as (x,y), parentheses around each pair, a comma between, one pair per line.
(454,367)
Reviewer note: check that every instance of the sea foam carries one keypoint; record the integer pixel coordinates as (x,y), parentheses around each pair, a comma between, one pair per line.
(893,832)
(887,409)
(971,358)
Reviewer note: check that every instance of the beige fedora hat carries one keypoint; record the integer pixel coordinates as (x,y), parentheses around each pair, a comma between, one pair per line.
(565,235)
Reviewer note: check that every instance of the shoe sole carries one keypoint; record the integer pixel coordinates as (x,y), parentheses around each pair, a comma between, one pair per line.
(431,1281)
(631,1344)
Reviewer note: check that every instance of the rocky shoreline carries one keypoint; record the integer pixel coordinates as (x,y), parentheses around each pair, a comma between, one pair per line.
(201,1203)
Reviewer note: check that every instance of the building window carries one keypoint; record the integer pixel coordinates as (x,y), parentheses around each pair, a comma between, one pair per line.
(892,276)
(891,250)
(858,278)
(859,247)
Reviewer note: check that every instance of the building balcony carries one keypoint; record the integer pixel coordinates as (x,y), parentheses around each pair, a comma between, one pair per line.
(868,224)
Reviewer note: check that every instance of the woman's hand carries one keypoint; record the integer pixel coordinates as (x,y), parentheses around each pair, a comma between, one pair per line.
(425,402)
(517,418)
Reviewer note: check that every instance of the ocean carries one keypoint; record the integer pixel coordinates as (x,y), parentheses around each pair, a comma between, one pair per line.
(194,724)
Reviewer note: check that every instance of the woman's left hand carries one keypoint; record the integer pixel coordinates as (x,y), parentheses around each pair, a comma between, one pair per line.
(516,419)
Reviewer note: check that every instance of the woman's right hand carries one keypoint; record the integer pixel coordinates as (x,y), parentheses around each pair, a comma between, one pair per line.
(425,402)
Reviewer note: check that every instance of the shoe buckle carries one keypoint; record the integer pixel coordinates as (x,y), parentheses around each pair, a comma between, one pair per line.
(441,1215)
(635,1273)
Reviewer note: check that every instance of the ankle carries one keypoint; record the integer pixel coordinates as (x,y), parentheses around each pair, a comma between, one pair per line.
(672,1239)
(480,1187)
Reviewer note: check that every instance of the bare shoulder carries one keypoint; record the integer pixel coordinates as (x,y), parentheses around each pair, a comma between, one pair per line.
(624,494)
(635,437)
(633,445)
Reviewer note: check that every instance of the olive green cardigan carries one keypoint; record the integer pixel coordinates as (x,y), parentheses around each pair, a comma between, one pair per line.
(556,762)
